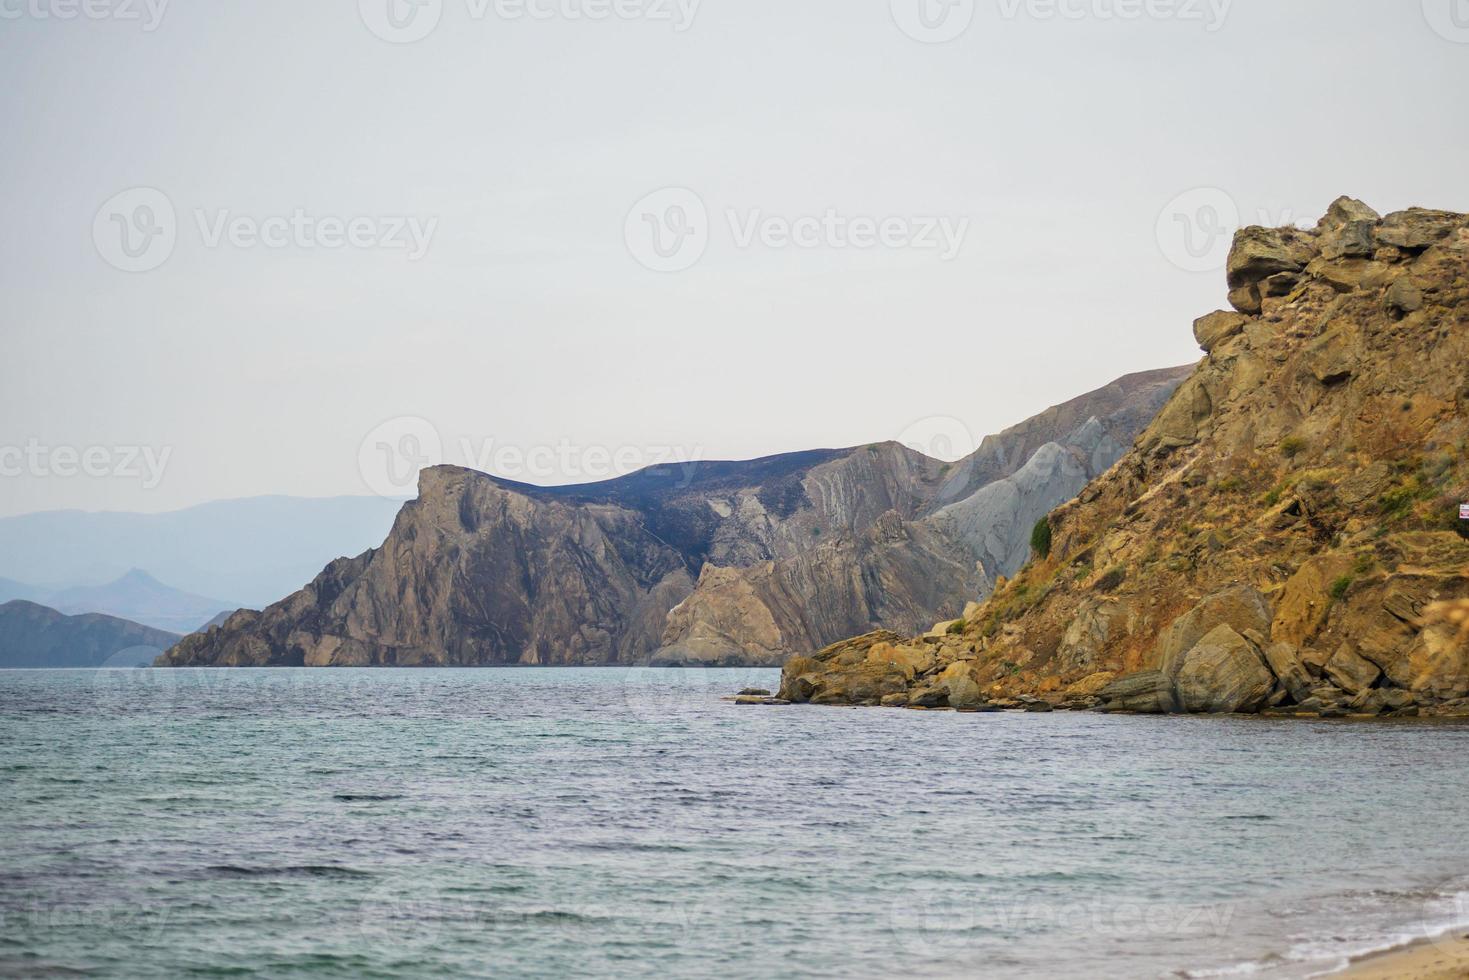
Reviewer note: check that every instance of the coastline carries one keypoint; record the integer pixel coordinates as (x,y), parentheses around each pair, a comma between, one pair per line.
(1445,958)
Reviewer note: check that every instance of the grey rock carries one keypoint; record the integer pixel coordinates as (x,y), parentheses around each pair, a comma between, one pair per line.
(1146,692)
(1240,607)
(1223,674)
(1350,671)
(1285,662)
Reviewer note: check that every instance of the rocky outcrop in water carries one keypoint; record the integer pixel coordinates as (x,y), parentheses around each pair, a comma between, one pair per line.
(1284,538)
(721,563)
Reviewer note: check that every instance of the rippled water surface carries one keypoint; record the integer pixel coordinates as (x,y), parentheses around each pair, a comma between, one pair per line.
(629,822)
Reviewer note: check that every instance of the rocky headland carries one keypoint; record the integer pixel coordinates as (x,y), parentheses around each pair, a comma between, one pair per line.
(727,563)
(1284,538)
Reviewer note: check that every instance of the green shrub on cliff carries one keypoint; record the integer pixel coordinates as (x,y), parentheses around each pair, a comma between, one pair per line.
(1040,539)
(1292,446)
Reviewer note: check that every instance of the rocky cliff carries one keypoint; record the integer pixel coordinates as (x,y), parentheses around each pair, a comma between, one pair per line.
(727,563)
(902,574)
(1284,537)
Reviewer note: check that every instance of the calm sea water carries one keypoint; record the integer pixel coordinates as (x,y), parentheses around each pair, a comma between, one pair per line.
(628,822)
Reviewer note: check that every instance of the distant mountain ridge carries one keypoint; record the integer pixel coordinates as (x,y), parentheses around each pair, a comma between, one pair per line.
(34,636)
(273,544)
(140,598)
(724,562)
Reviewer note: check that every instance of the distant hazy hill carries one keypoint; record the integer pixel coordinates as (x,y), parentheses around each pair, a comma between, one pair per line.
(216,621)
(35,636)
(251,551)
(140,597)
(11,590)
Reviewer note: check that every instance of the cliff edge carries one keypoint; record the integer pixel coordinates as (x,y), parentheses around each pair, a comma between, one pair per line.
(1285,537)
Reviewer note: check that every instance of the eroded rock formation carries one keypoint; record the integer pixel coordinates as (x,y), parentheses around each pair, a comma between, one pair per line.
(1285,536)
(722,563)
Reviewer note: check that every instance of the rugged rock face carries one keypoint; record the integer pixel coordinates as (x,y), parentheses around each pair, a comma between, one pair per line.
(1285,536)
(32,635)
(720,563)
(902,574)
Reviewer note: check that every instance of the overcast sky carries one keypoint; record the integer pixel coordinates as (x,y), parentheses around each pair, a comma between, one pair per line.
(622,229)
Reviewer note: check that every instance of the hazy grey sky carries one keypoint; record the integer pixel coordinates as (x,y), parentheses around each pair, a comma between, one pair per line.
(1018,188)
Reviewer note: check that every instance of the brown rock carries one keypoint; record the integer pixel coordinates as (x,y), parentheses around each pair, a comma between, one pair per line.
(1436,664)
(1404,297)
(916,660)
(1333,357)
(1304,603)
(1246,299)
(1211,330)
(799,679)
(1416,229)
(1092,686)
(1259,253)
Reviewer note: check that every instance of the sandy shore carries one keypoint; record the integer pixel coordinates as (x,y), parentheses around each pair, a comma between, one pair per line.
(1443,959)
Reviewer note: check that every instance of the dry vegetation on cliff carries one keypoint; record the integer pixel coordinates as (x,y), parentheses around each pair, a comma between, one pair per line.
(1284,537)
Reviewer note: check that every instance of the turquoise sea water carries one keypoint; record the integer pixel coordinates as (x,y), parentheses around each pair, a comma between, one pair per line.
(625,823)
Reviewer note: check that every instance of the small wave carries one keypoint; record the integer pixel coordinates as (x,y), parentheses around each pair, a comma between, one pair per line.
(287,871)
(366,797)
